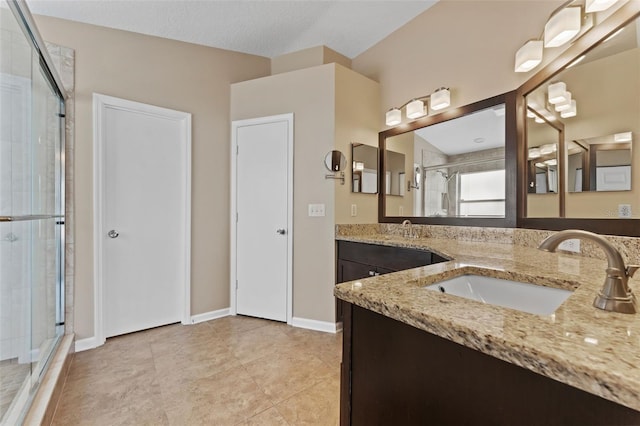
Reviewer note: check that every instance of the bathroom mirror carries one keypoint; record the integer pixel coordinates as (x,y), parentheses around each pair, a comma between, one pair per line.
(458,167)
(596,160)
(364,175)
(335,161)
(600,163)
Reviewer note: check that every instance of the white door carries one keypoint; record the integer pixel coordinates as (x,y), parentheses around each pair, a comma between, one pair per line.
(142,229)
(262,188)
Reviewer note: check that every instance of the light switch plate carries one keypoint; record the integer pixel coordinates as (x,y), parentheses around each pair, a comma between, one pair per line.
(316,210)
(354,210)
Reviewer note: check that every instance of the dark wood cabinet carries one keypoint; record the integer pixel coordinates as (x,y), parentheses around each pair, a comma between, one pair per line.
(396,374)
(359,260)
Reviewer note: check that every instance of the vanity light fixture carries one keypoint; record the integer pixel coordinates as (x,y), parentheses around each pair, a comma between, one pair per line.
(440,99)
(529,56)
(534,153)
(416,108)
(393,117)
(548,149)
(538,120)
(598,5)
(622,137)
(557,93)
(531,114)
(551,162)
(571,112)
(566,104)
(358,166)
(562,26)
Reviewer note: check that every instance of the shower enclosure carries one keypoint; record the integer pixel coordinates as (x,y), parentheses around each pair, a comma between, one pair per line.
(32,220)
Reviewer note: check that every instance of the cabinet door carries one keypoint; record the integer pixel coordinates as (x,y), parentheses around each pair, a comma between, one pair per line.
(348,271)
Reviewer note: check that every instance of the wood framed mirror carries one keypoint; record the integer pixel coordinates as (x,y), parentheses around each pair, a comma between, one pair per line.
(598,169)
(460,167)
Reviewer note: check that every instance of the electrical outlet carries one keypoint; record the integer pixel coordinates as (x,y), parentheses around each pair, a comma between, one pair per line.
(401,210)
(354,210)
(316,210)
(570,245)
(624,210)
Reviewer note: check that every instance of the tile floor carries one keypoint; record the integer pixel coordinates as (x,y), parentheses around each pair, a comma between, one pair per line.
(229,371)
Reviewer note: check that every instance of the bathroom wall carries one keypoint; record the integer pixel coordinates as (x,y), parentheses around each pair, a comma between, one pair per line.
(325,100)
(466,45)
(174,75)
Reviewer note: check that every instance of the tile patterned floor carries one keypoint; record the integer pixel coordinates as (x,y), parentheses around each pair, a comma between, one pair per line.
(230,371)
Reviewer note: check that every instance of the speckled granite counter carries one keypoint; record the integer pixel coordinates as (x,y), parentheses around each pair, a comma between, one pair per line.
(579,345)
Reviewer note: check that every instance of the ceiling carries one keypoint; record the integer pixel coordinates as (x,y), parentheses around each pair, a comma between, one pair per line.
(472,132)
(260,27)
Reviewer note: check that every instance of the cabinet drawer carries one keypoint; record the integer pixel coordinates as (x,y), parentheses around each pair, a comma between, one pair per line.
(391,258)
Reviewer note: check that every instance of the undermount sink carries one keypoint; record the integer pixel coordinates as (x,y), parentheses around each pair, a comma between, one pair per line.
(534,299)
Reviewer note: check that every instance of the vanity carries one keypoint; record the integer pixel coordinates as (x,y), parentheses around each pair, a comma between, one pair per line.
(488,182)
(416,356)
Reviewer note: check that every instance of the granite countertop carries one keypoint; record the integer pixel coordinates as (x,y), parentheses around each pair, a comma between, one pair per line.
(579,345)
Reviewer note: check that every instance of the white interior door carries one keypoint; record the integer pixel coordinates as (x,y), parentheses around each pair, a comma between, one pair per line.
(263,206)
(143,224)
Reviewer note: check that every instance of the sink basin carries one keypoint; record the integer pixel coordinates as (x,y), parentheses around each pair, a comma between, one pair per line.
(525,297)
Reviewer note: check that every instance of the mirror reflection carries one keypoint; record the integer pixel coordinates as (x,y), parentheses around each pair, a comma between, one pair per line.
(458,167)
(395,175)
(364,176)
(596,101)
(600,164)
(335,161)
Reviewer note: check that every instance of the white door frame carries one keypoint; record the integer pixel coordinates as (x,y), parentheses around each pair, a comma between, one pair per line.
(100,104)
(234,208)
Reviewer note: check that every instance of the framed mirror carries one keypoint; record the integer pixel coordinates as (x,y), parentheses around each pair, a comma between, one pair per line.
(459,167)
(598,126)
(364,174)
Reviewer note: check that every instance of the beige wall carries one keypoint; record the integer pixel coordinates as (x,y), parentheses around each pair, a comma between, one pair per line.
(309,94)
(468,46)
(357,106)
(174,75)
(324,100)
(307,58)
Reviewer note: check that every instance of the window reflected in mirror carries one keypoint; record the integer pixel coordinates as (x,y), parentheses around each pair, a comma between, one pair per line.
(458,168)
(599,114)
(364,175)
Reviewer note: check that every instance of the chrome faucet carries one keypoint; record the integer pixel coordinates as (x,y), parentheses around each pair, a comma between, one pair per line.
(407,230)
(615,295)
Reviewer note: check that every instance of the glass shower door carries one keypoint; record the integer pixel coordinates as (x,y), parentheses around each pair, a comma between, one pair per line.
(31,218)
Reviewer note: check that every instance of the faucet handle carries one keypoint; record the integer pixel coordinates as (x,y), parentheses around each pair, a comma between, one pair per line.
(631,269)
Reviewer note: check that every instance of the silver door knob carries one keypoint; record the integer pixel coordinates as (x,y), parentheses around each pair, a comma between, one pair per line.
(113,234)
(281,231)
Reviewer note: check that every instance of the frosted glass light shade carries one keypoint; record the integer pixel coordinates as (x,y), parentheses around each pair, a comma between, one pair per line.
(440,99)
(415,109)
(565,105)
(571,112)
(530,114)
(551,162)
(598,5)
(562,27)
(534,153)
(529,56)
(622,137)
(538,120)
(393,117)
(547,149)
(557,93)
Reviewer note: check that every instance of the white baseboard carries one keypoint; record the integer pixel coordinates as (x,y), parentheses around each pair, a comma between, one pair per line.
(86,344)
(208,316)
(327,327)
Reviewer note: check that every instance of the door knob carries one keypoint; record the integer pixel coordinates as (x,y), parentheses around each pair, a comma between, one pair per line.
(281,231)
(113,234)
